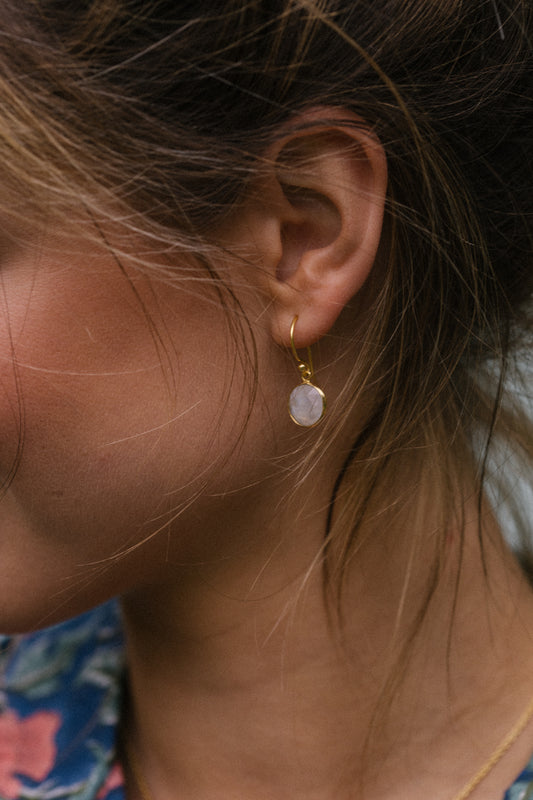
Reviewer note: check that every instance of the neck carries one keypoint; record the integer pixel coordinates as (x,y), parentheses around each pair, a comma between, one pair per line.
(239,665)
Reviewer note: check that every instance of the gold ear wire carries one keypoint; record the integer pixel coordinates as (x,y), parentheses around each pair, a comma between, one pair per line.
(307,403)
(305,369)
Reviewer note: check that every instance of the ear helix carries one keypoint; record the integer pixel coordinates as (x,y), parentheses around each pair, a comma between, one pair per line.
(307,403)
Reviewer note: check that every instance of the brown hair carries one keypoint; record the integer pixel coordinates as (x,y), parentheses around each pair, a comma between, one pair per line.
(155,114)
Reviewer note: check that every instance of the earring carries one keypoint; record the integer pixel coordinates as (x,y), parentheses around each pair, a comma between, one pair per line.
(307,403)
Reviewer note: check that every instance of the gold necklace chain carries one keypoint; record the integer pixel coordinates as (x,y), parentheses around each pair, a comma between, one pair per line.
(507,742)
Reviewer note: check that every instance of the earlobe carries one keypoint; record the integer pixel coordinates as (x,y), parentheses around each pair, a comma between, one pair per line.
(331,177)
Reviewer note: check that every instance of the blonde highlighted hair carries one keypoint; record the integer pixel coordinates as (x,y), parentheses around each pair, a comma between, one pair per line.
(154,115)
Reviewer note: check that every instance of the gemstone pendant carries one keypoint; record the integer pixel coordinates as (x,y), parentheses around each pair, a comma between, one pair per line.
(307,404)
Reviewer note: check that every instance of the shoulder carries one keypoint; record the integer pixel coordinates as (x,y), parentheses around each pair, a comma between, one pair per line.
(59,706)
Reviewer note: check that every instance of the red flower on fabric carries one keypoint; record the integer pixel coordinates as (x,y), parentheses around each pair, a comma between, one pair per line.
(113,781)
(27,748)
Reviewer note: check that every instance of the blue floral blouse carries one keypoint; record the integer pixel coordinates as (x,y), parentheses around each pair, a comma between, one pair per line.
(59,708)
(60,696)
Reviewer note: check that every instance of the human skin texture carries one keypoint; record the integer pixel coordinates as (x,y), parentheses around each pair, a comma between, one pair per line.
(131,398)
(119,428)
(145,473)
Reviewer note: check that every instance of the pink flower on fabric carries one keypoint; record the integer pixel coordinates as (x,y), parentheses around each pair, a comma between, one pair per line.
(113,781)
(27,748)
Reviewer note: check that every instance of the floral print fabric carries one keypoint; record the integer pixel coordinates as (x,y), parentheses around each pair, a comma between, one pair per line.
(59,707)
(60,696)
(522,788)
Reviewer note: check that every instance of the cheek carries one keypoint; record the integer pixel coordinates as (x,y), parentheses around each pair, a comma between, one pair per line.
(98,411)
(72,350)
(121,431)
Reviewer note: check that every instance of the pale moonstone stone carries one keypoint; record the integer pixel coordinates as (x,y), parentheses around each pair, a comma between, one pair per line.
(306,404)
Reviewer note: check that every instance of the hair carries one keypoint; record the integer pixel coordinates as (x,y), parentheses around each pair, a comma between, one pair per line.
(155,115)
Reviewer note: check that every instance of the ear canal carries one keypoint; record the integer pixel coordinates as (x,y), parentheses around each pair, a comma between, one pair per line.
(315,226)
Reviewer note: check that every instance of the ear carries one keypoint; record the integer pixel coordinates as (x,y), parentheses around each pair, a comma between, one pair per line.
(316,217)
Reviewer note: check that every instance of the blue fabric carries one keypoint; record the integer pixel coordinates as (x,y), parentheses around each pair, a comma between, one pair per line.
(59,703)
(60,698)
(522,788)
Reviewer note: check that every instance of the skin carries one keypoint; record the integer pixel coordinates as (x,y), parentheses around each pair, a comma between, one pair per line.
(234,661)
(115,435)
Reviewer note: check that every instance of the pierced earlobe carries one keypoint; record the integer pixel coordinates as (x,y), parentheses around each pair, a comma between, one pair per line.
(307,403)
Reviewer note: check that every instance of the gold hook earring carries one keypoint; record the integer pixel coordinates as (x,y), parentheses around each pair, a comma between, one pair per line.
(307,403)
